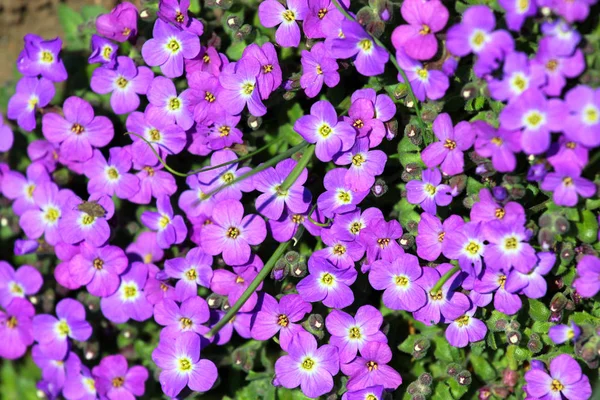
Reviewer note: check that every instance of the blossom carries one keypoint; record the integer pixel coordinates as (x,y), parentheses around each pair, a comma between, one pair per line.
(338,197)
(321,15)
(207,60)
(223,133)
(583,121)
(23,247)
(354,222)
(125,82)
(465,329)
(558,66)
(114,379)
(41,57)
(181,365)
(103,51)
(519,74)
(193,270)
(129,301)
(269,76)
(241,324)
(350,334)
(98,268)
(79,383)
(327,284)
(431,234)
(494,282)
(342,249)
(560,334)
(284,228)
(112,177)
(566,183)
(323,128)
(370,393)
(565,379)
(224,178)
(239,84)
(453,141)
(176,13)
(145,249)
(532,283)
(570,10)
(53,371)
(587,282)
(21,188)
(25,281)
(170,228)
(318,67)
(507,247)
(362,116)
(232,233)
(195,201)
(154,181)
(16,328)
(31,93)
(467,246)
(79,132)
(430,192)
(167,106)
(234,284)
(369,57)
(78,223)
(208,107)
(188,317)
(425,20)
(120,24)
(425,83)
(370,368)
(280,317)
(568,152)
(517,12)
(563,37)
(53,333)
(308,366)
(500,145)
(379,239)
(487,209)
(272,13)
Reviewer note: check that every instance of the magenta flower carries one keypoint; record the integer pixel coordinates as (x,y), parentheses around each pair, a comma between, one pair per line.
(560,334)
(369,57)
(568,152)
(453,141)
(488,209)
(507,247)
(519,75)
(188,317)
(282,317)
(532,284)
(272,13)
(53,333)
(284,228)
(350,334)
(129,301)
(176,13)
(567,184)
(425,20)
(79,384)
(465,329)
(354,222)
(362,116)
(79,132)
(76,225)
(16,328)
(500,145)
(115,380)
(370,368)
(495,282)
(98,268)
(565,380)
(343,250)
(587,282)
(239,84)
(327,284)
(193,270)
(321,15)
(323,128)
(103,51)
(224,176)
(53,371)
(145,249)
(154,181)
(467,246)
(168,48)
(125,82)
(23,247)
(272,200)
(338,197)
(380,240)
(120,24)
(208,107)
(583,121)
(318,67)
(41,57)
(25,281)
(6,136)
(170,228)
(517,12)
(430,192)
(233,284)
(426,83)
(30,94)
(375,392)
(112,177)
(431,234)
(308,366)
(562,36)
(21,189)
(207,60)
(195,202)
(166,106)
(181,365)
(232,233)
(223,133)
(400,281)
(558,66)
(385,109)
(241,324)
(269,77)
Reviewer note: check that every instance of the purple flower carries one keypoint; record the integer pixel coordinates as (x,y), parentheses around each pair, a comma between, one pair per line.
(241,323)
(168,48)
(570,10)
(583,122)
(475,34)
(338,197)
(321,15)
(517,12)
(453,141)
(103,51)
(323,128)
(507,247)
(272,200)
(371,393)
(188,317)
(181,365)
(426,83)
(41,57)
(44,220)
(76,225)
(565,380)
(350,334)
(53,371)
(195,202)
(370,368)
(120,24)
(234,284)
(500,145)
(425,20)
(208,60)
(531,284)
(154,182)
(494,282)
(563,37)
(566,183)
(21,189)
(6,136)
(354,222)
(560,334)
(16,328)
(25,281)
(176,13)
(369,57)
(231,233)
(125,82)
(327,284)
(284,228)
(79,131)
(31,93)
(115,380)
(558,66)
(431,234)
(487,209)
(79,383)
(240,87)
(343,249)
(98,268)
(167,106)
(567,152)
(430,192)
(208,107)
(519,75)
(466,245)
(308,366)
(269,77)
(170,228)
(587,282)
(223,177)
(224,133)
(112,177)
(129,301)
(53,333)
(272,13)
(23,247)
(465,329)
(380,240)
(362,116)
(385,109)
(145,249)
(282,317)
(193,270)
(318,67)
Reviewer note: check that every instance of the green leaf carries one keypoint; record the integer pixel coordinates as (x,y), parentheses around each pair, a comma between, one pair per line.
(444,351)
(441,392)
(587,229)
(408,346)
(482,368)
(235,50)
(70,20)
(473,186)
(457,389)
(90,12)
(538,310)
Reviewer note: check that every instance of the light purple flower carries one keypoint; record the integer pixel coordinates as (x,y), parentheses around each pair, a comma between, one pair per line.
(239,84)
(431,234)
(558,66)
(583,122)
(170,228)
(193,270)
(370,368)
(154,181)
(167,106)
(571,11)
(338,196)
(465,329)
(507,247)
(234,284)
(426,83)
(587,282)
(223,178)
(272,13)
(380,240)
(321,15)
(269,77)
(30,94)
(208,107)
(16,328)
(112,177)
(519,74)
(21,189)
(488,209)
(327,284)
(129,301)
(76,225)
(284,228)
(517,12)
(500,145)
(79,383)
(565,380)
(563,37)
(115,380)
(369,57)
(318,67)
(23,247)
(98,268)
(176,13)
(362,115)
(560,334)
(354,222)
(41,57)
(120,24)
(223,133)
(532,284)
(430,192)
(25,281)
(343,250)
(494,282)
(568,152)
(103,51)
(467,246)
(188,317)
(567,184)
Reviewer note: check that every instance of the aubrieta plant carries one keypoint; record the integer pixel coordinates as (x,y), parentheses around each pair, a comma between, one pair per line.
(290,199)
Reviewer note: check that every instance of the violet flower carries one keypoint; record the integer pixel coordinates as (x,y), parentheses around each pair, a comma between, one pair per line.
(488,209)
(16,328)
(223,133)
(239,84)
(224,177)
(176,13)
(98,268)
(507,247)
(269,76)
(41,57)
(465,329)
(430,192)
(370,368)
(425,83)
(565,380)
(587,282)
(21,189)
(129,301)
(354,222)
(154,181)
(170,228)
(30,94)
(188,317)
(234,284)
(560,334)
(431,234)
(115,380)
(532,284)
(167,106)
(193,270)
(78,225)
(517,12)
(318,67)
(166,137)
(112,177)
(500,145)
(494,282)
(583,121)
(322,14)
(25,281)
(6,136)
(338,196)
(380,240)
(327,284)
(343,250)
(284,228)
(519,74)
(558,66)
(208,107)
(467,246)
(567,184)
(120,24)
(563,37)
(362,116)
(272,13)
(369,57)
(103,51)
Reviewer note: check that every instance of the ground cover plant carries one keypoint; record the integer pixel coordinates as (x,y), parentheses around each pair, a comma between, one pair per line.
(247,199)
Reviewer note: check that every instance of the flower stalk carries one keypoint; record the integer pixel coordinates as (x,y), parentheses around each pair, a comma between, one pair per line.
(445,278)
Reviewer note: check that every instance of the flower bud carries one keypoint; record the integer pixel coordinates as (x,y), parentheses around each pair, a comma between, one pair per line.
(414,388)
(254,122)
(458,183)
(452,369)
(300,269)
(546,238)
(517,192)
(316,322)
(412,226)
(558,303)
(536,173)
(234,22)
(379,188)
(280,270)
(484,393)
(500,325)
(214,301)
(500,391)
(392,129)
(425,379)
(513,337)
(510,377)
(545,220)
(514,325)
(561,224)
(244,31)
(419,397)
(422,344)
(469,91)
(289,95)
(417,355)
(500,193)
(407,241)
(400,91)
(224,4)
(464,378)
(556,316)
(570,306)
(535,345)
(468,202)
(292,257)
(376,27)
(588,352)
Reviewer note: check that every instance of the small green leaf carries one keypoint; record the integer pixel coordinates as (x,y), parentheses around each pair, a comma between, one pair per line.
(538,310)
(444,351)
(587,229)
(70,20)
(473,186)
(482,368)
(408,346)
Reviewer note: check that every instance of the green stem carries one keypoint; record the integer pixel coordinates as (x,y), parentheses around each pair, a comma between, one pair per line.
(394,61)
(302,163)
(510,356)
(262,275)
(445,279)
(539,207)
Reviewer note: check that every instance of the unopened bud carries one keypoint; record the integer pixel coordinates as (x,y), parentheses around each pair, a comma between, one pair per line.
(214,301)
(469,91)
(546,238)
(300,270)
(421,344)
(464,378)
(558,303)
(419,397)
(316,322)
(407,241)
(234,22)
(500,193)
(452,369)
(500,325)
(484,393)
(280,270)
(425,379)
(561,224)
(254,122)
(392,129)
(514,325)
(545,220)
(379,188)
(500,391)
(414,388)
(588,352)
(400,91)
(292,257)
(244,31)
(510,377)
(224,4)
(417,355)
(513,337)
(555,316)
(458,183)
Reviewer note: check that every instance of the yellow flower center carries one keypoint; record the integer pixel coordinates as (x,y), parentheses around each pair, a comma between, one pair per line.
(591,115)
(122,82)
(344,196)
(289,15)
(520,83)
(112,173)
(107,52)
(12,322)
(401,280)
(186,323)
(556,386)
(126,32)
(436,296)
(422,72)
(356,227)
(450,144)
(233,232)
(319,70)
(551,65)
(534,119)
(130,291)
(228,177)
(154,135)
(327,279)
(425,29)
(63,328)
(208,96)
(441,237)
(472,248)
(164,221)
(478,39)
(325,130)
(567,181)
(267,68)
(224,131)
(339,250)
(88,219)
(365,44)
(430,189)
(16,289)
(174,104)
(52,214)
(354,333)
(297,218)
(502,281)
(179,18)
(522,6)
(47,57)
(283,320)
(570,145)
(173,45)
(32,102)
(372,365)
(462,321)
(322,12)
(149,170)
(497,141)
(191,274)
(511,243)
(383,243)
(248,88)
(98,264)
(30,190)
(185,364)
(77,129)
(358,123)
(118,382)
(91,384)
(308,364)
(206,58)
(500,213)
(358,160)
(239,280)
